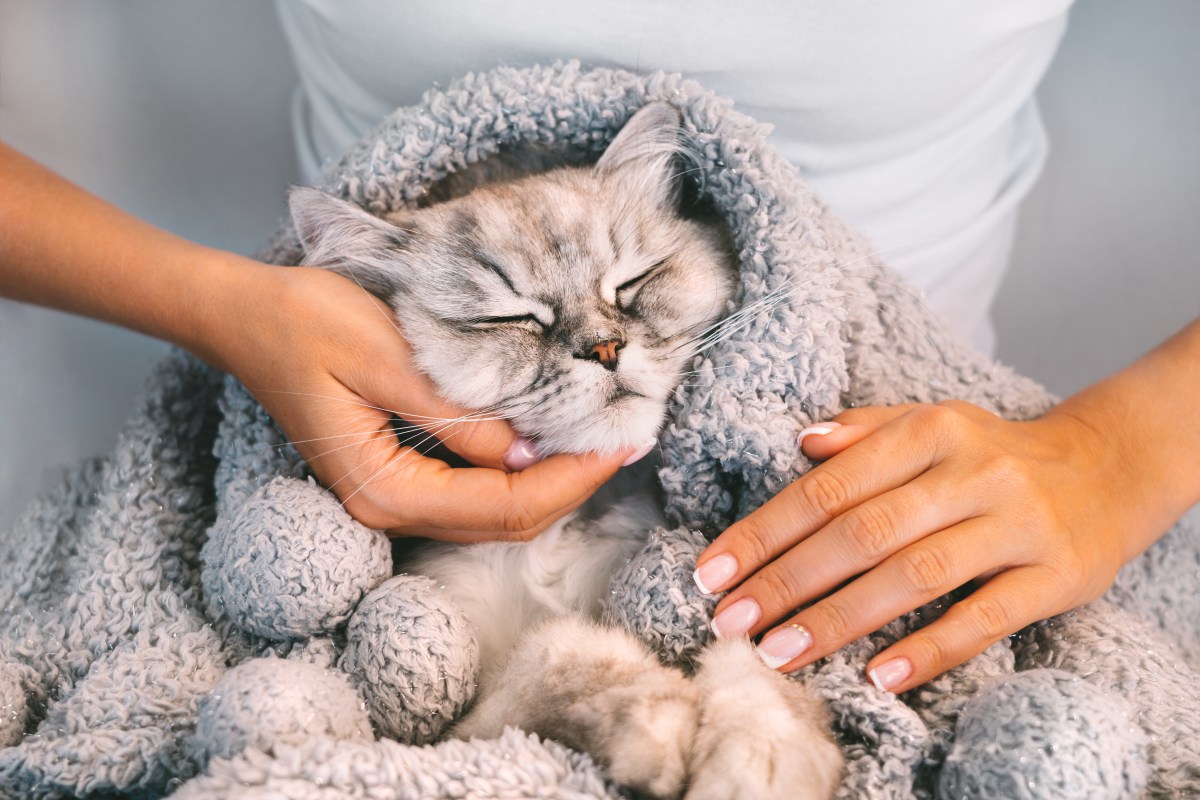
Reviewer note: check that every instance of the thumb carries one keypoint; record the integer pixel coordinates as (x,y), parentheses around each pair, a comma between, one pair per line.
(823,440)
(479,437)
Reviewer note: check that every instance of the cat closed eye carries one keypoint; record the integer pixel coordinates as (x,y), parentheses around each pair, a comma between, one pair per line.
(529,321)
(626,292)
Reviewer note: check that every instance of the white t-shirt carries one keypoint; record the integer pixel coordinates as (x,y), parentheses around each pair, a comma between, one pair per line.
(915,121)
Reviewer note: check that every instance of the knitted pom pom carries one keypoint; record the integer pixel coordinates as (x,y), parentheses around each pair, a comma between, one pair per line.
(291,563)
(656,599)
(1045,733)
(414,657)
(267,701)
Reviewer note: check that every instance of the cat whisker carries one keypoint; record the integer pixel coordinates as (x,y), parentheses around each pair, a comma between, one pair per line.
(712,368)
(412,416)
(369,459)
(395,459)
(692,373)
(735,321)
(724,334)
(778,294)
(357,434)
(324,453)
(370,478)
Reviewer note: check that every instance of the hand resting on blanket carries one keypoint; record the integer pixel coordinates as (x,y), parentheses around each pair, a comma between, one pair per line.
(916,501)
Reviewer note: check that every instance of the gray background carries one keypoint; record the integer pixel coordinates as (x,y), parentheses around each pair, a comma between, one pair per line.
(178,112)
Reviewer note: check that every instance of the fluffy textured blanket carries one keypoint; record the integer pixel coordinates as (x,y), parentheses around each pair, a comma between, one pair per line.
(130,664)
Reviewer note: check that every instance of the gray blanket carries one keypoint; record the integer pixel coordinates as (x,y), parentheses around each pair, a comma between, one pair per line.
(192,614)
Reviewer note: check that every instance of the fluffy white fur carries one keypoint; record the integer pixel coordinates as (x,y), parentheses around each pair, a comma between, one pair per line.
(504,294)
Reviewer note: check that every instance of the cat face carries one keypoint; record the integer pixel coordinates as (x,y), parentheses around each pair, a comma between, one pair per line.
(568,302)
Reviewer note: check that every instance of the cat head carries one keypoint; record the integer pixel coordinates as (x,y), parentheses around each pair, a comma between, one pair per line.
(570,302)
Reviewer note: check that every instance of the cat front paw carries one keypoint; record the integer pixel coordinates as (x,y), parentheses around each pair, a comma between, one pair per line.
(761,735)
(650,753)
(598,690)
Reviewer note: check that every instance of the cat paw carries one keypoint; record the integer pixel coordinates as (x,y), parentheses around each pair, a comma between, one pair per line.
(598,690)
(649,752)
(761,736)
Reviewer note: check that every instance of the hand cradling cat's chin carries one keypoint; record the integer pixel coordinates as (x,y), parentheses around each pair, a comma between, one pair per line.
(570,303)
(311,359)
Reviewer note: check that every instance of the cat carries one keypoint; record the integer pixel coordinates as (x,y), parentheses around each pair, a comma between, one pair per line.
(571,302)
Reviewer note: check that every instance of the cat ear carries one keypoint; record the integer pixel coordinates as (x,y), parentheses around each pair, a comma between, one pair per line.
(646,153)
(343,238)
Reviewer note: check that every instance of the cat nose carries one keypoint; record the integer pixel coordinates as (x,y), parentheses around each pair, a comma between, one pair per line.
(606,352)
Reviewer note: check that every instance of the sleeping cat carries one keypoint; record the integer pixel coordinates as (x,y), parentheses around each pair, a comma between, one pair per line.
(571,303)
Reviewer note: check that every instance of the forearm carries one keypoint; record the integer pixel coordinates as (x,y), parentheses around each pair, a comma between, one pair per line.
(1150,415)
(64,248)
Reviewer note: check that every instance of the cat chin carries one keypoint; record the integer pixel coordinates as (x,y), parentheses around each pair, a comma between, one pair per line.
(630,422)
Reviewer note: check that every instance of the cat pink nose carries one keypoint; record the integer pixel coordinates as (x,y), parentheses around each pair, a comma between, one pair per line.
(606,352)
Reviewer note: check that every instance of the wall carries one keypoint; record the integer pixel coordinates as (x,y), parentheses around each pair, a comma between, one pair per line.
(174,111)
(1107,260)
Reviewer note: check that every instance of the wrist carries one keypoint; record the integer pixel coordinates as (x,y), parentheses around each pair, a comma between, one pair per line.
(218,303)
(1133,459)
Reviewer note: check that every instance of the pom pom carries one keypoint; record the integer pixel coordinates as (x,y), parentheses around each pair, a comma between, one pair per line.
(291,563)
(1045,733)
(414,657)
(267,701)
(655,598)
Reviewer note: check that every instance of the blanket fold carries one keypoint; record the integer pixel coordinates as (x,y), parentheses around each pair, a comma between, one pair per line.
(116,631)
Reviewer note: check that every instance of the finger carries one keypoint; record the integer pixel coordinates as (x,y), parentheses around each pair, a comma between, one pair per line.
(400,388)
(851,544)
(425,494)
(913,577)
(344,460)
(890,458)
(1001,607)
(823,440)
(481,437)
(475,537)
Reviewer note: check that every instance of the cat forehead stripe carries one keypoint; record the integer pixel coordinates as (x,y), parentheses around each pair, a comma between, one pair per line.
(491,265)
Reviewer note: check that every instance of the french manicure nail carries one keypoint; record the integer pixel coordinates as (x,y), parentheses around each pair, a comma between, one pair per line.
(522,453)
(819,429)
(782,645)
(640,454)
(736,620)
(715,573)
(891,674)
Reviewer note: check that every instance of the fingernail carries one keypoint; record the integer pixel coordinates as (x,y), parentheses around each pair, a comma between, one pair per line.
(819,429)
(891,674)
(640,454)
(715,573)
(783,645)
(521,454)
(736,620)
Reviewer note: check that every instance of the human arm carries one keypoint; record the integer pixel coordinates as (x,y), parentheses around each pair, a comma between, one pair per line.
(322,356)
(915,501)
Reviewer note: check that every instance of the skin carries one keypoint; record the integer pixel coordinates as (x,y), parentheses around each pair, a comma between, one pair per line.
(324,358)
(914,501)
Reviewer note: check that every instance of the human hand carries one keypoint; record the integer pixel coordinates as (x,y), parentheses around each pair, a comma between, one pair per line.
(329,365)
(913,502)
